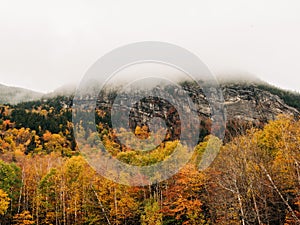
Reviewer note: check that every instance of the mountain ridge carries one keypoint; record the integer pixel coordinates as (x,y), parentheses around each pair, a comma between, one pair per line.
(14,95)
(244,99)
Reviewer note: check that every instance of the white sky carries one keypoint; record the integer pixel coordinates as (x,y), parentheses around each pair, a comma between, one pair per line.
(46,44)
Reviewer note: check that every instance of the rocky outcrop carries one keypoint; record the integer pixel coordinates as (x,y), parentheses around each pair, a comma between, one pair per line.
(250,103)
(245,105)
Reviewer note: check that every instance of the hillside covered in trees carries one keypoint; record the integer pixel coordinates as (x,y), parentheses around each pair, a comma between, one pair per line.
(14,95)
(255,178)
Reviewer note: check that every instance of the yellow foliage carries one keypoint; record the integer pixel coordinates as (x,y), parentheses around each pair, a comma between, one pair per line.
(4,202)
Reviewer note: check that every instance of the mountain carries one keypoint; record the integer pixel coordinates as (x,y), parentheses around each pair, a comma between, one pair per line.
(247,103)
(258,101)
(65,90)
(14,95)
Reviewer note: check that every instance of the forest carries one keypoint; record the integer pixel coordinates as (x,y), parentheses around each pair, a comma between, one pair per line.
(44,179)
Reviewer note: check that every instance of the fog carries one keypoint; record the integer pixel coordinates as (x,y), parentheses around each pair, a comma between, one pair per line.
(47,44)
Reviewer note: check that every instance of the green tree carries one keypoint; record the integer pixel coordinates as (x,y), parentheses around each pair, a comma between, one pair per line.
(152,214)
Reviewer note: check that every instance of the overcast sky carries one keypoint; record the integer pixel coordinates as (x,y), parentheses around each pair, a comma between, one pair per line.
(46,44)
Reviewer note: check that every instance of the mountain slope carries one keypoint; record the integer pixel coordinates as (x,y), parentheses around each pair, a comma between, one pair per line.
(246,102)
(14,95)
(258,101)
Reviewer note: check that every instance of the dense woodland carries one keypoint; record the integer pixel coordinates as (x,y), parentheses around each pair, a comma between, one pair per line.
(44,179)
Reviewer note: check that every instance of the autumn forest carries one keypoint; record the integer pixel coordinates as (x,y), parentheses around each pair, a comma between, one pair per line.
(44,179)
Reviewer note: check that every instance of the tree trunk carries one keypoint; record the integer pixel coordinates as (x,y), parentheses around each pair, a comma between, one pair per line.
(281,196)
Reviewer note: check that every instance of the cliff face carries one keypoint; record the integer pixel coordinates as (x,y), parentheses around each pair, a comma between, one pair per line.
(251,106)
(246,105)
(251,103)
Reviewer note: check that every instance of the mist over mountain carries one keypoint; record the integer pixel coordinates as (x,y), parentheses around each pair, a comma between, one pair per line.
(245,97)
(14,95)
(65,90)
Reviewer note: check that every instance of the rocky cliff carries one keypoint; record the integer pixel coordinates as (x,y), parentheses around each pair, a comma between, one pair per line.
(246,105)
(250,102)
